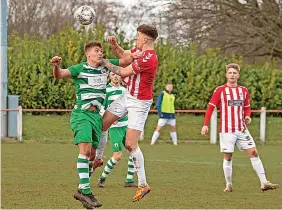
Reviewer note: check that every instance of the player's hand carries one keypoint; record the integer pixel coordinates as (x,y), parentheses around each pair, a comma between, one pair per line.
(136,55)
(115,122)
(56,61)
(248,120)
(205,130)
(112,40)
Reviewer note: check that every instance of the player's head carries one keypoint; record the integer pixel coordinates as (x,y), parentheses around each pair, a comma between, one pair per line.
(147,34)
(94,52)
(232,72)
(169,87)
(115,79)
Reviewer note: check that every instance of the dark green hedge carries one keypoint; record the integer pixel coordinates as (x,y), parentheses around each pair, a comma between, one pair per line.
(194,74)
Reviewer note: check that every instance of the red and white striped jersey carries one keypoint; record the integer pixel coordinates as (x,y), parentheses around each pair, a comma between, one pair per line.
(140,84)
(234,106)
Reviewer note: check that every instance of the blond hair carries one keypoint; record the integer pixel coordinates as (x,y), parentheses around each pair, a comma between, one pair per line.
(232,65)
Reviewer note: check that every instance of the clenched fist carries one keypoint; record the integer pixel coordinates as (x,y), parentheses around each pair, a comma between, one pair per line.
(112,40)
(56,61)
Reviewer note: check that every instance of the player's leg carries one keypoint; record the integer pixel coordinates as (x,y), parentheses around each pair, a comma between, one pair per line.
(137,114)
(142,136)
(246,142)
(100,150)
(116,110)
(161,123)
(83,138)
(116,136)
(129,181)
(173,134)
(227,142)
(227,170)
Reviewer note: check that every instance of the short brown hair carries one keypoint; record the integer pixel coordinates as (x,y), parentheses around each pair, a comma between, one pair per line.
(232,65)
(149,30)
(92,44)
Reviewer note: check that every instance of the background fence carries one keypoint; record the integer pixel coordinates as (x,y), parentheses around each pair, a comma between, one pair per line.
(187,122)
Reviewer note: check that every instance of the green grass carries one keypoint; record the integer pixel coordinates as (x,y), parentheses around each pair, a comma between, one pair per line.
(56,128)
(187,176)
(41,171)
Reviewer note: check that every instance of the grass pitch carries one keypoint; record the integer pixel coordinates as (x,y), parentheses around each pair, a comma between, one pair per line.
(41,173)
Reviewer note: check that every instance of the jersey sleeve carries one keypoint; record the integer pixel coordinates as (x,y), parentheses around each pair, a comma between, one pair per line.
(75,70)
(114,62)
(247,106)
(215,99)
(144,63)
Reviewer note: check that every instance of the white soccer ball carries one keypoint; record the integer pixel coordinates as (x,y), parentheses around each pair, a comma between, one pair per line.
(85,15)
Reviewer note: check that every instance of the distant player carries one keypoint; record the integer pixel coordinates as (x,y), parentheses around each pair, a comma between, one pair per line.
(234,105)
(166,112)
(117,134)
(137,100)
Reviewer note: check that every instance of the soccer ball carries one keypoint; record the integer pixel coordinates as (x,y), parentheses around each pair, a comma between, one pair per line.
(85,15)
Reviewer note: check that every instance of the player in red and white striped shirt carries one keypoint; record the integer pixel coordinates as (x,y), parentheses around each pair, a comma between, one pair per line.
(234,105)
(136,102)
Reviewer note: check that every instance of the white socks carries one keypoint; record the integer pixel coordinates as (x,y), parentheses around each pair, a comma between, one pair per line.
(138,161)
(256,163)
(102,144)
(258,167)
(227,169)
(173,136)
(155,137)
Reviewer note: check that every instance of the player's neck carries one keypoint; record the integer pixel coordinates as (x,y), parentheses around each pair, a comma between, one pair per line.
(93,64)
(115,84)
(149,46)
(229,84)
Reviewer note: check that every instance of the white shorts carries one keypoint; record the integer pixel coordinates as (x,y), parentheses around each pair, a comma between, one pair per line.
(137,110)
(162,122)
(243,140)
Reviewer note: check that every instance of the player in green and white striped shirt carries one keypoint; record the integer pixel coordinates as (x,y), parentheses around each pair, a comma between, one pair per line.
(90,80)
(117,133)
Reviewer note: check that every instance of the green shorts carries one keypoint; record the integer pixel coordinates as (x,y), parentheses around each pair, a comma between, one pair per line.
(86,126)
(117,138)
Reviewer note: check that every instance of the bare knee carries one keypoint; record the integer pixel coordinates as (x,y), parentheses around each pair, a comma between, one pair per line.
(132,137)
(117,156)
(158,129)
(108,120)
(130,146)
(85,149)
(172,128)
(252,152)
(227,156)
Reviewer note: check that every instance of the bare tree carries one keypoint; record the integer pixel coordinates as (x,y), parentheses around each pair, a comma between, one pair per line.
(45,17)
(247,27)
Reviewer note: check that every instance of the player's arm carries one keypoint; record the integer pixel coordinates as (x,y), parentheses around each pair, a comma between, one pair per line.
(59,73)
(121,71)
(159,103)
(126,56)
(118,50)
(247,109)
(211,106)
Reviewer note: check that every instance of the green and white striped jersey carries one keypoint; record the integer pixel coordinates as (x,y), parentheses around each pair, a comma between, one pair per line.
(112,93)
(90,84)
